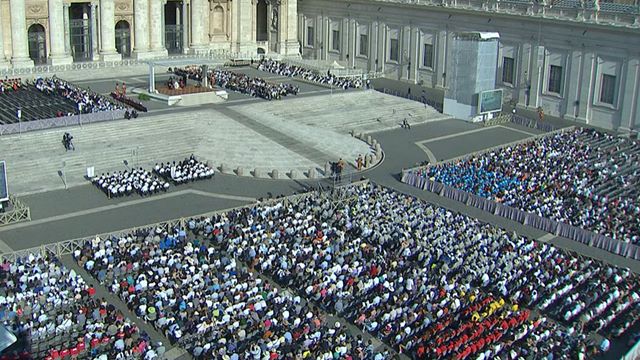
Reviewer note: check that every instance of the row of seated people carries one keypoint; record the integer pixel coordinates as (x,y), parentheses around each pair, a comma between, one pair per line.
(583,177)
(284,69)
(175,83)
(59,315)
(187,170)
(205,301)
(123,98)
(86,101)
(469,256)
(405,271)
(128,182)
(9,85)
(253,86)
(239,82)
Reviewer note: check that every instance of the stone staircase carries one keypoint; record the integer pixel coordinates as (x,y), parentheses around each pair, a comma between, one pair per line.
(36,160)
(357,111)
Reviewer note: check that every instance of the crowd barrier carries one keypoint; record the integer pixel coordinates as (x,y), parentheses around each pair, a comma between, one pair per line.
(633,353)
(600,241)
(63,121)
(534,124)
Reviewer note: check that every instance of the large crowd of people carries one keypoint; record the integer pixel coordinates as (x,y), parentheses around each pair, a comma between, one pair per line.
(57,315)
(238,82)
(585,178)
(128,182)
(254,86)
(86,101)
(187,170)
(428,282)
(284,69)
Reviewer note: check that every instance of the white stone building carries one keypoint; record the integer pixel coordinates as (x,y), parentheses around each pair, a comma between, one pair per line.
(60,32)
(579,60)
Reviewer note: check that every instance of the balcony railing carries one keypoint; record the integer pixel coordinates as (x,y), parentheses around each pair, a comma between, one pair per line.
(589,11)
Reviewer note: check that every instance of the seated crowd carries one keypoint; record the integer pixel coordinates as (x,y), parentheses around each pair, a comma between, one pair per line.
(255,87)
(9,85)
(87,101)
(187,170)
(584,178)
(428,282)
(239,82)
(201,298)
(128,182)
(56,315)
(284,69)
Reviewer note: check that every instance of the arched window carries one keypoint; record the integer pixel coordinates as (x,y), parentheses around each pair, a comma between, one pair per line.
(261,21)
(37,44)
(218,19)
(123,38)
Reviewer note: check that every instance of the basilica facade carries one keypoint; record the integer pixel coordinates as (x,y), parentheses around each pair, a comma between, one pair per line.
(59,32)
(579,60)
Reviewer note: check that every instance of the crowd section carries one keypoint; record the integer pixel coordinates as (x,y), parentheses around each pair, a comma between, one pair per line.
(9,85)
(430,283)
(238,82)
(57,315)
(583,177)
(181,172)
(128,182)
(284,69)
(86,101)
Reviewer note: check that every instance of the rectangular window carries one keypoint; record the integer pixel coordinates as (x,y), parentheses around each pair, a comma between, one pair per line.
(393,50)
(608,89)
(555,79)
(364,44)
(427,56)
(335,40)
(310,36)
(508,70)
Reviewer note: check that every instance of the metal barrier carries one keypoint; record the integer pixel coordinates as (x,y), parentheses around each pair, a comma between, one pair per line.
(19,213)
(63,121)
(403,94)
(43,69)
(633,353)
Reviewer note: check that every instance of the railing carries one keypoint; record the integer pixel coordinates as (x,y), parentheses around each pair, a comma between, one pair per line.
(322,67)
(63,121)
(633,353)
(69,246)
(570,10)
(20,212)
(403,94)
(520,120)
(95,65)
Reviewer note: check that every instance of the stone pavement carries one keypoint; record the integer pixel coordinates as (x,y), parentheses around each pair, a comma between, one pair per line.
(37,161)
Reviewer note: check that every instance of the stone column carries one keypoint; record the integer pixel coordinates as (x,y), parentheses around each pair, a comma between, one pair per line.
(197,29)
(288,27)
(94,31)
(184,20)
(156,31)
(67,24)
(244,13)
(107,32)
(57,56)
(20,47)
(4,64)
(141,29)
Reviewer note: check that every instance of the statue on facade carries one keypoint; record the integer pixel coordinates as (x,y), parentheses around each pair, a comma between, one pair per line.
(275,7)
